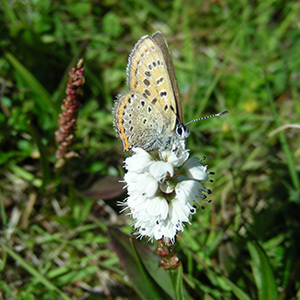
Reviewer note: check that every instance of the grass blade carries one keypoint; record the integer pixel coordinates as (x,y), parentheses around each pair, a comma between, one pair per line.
(44,100)
(263,274)
(38,276)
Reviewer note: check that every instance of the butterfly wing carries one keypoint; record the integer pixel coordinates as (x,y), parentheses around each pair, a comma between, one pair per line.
(147,74)
(137,121)
(162,44)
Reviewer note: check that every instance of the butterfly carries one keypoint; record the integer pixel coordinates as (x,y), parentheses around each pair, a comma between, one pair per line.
(149,116)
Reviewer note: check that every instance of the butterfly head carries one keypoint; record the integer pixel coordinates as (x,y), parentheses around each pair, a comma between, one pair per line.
(181,131)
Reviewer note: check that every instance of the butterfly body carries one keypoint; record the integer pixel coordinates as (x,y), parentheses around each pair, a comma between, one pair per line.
(149,116)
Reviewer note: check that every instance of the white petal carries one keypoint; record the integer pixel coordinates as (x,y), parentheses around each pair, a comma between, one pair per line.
(130,178)
(194,170)
(146,185)
(139,161)
(165,229)
(160,169)
(158,207)
(189,190)
(179,212)
(176,156)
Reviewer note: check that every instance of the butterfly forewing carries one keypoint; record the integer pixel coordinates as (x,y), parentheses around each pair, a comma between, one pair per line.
(148,75)
(162,44)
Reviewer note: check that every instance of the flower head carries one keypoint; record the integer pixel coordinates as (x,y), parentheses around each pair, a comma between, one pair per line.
(162,192)
(68,117)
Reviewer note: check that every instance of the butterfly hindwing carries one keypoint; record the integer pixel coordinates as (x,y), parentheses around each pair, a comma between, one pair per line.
(138,122)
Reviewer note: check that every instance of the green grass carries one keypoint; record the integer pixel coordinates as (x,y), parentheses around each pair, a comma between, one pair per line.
(56,239)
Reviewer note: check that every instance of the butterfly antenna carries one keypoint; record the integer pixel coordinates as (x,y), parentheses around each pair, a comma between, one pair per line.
(207,117)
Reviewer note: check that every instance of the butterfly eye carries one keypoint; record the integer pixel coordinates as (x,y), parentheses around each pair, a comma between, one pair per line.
(181,131)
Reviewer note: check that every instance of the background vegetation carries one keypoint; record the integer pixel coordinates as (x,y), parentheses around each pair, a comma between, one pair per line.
(237,55)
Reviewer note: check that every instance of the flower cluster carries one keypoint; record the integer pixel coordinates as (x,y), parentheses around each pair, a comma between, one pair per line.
(162,193)
(68,118)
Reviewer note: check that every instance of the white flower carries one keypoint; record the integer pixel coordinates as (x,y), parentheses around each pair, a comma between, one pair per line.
(162,193)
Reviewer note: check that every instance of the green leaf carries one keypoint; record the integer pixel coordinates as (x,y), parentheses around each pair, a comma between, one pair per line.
(240,294)
(133,256)
(262,271)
